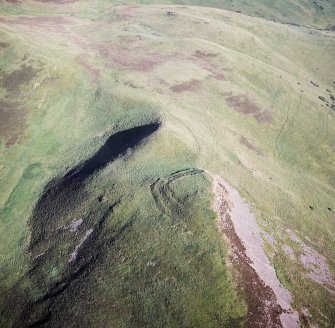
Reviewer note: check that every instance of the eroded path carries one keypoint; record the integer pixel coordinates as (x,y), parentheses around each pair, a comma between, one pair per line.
(269,303)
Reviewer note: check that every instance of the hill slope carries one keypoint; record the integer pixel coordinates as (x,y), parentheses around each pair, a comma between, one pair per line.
(114,120)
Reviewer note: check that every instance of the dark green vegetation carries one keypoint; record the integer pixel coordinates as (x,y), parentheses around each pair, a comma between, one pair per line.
(147,267)
(312,13)
(12,112)
(109,116)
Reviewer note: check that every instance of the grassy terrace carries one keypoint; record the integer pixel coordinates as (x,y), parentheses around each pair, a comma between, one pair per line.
(134,240)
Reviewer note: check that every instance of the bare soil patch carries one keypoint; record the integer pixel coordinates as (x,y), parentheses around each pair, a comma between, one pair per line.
(191,85)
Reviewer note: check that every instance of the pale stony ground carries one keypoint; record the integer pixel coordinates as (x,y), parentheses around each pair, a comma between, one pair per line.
(316,264)
(249,232)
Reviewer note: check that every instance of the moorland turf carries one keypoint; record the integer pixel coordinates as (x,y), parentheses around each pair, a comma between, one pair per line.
(110,117)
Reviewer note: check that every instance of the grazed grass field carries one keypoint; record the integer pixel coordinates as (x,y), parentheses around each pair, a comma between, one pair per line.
(129,238)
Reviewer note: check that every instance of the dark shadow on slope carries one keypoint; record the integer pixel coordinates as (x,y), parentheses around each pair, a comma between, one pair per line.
(115,145)
(62,195)
(52,243)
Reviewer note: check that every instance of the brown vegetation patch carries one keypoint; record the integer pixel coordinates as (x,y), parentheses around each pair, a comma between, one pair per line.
(61,2)
(36,20)
(191,85)
(216,72)
(12,113)
(50,23)
(244,141)
(11,1)
(130,53)
(79,41)
(204,60)
(11,81)
(94,72)
(162,82)
(128,12)
(137,58)
(204,54)
(263,309)
(226,93)
(263,117)
(130,84)
(4,44)
(218,76)
(135,63)
(242,104)
(12,122)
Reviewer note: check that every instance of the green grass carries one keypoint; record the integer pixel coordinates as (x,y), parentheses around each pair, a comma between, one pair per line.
(158,259)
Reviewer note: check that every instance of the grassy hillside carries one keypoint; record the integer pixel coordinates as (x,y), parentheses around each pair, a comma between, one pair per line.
(108,116)
(313,13)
